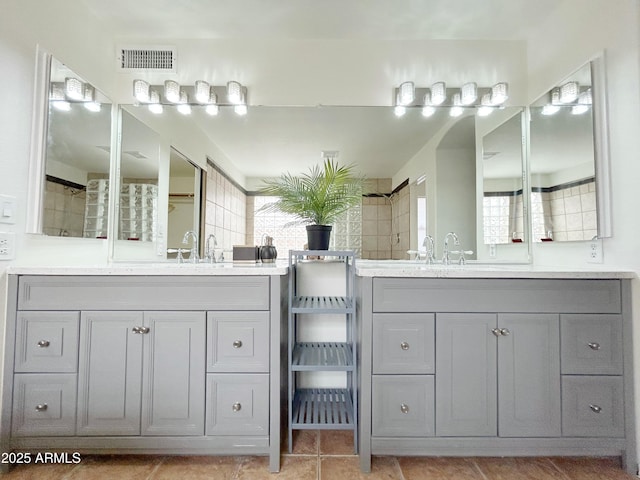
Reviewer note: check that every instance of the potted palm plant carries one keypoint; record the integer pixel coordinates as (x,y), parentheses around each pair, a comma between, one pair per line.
(317,198)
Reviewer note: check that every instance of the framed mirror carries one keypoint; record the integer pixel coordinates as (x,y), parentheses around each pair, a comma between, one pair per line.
(568,161)
(77,157)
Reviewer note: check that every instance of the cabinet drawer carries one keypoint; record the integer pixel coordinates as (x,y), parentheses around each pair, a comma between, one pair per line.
(404,343)
(592,406)
(591,344)
(47,342)
(237,404)
(237,342)
(44,404)
(403,406)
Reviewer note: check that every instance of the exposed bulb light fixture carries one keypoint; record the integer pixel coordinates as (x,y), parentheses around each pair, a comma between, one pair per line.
(58,99)
(154,103)
(469,93)
(184,107)
(234,92)
(428,110)
(212,108)
(553,107)
(74,88)
(172,91)
(406,93)
(584,103)
(141,91)
(89,101)
(438,93)
(457,109)
(569,92)
(486,108)
(202,91)
(499,93)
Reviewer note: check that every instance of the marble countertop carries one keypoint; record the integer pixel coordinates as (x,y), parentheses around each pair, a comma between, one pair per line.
(155,268)
(402,268)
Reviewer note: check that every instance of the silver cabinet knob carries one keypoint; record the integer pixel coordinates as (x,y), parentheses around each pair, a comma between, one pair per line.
(496,332)
(44,343)
(237,407)
(595,408)
(237,344)
(141,330)
(404,346)
(42,407)
(404,408)
(594,345)
(504,331)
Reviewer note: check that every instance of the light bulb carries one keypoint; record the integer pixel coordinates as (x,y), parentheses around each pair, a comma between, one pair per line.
(234,92)
(172,91)
(202,91)
(74,88)
(406,93)
(399,110)
(212,109)
(457,109)
(141,91)
(468,93)
(438,93)
(154,105)
(499,93)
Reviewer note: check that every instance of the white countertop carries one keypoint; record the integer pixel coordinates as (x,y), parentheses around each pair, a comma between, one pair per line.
(155,268)
(364,268)
(403,268)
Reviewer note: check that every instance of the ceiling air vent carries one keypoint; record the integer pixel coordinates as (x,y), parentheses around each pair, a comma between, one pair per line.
(147,58)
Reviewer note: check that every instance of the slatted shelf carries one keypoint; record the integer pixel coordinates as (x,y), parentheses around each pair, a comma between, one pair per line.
(309,304)
(323,408)
(309,356)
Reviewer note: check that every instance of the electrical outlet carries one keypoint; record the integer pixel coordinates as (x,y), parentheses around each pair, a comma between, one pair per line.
(7,245)
(594,251)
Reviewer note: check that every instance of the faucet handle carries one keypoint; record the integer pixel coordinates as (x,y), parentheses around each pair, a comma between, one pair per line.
(462,253)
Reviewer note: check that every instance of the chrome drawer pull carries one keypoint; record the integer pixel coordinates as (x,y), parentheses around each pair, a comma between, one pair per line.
(496,332)
(404,408)
(237,344)
(504,331)
(237,407)
(595,408)
(140,329)
(594,345)
(44,343)
(42,407)
(404,346)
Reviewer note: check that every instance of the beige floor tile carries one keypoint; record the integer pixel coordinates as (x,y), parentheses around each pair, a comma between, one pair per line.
(293,467)
(520,468)
(197,467)
(108,467)
(348,468)
(305,442)
(336,442)
(592,468)
(438,468)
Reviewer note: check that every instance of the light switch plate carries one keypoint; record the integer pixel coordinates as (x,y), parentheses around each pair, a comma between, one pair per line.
(8,206)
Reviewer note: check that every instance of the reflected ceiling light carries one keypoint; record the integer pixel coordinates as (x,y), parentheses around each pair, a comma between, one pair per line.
(428,109)
(93,106)
(154,103)
(58,99)
(241,107)
(172,91)
(486,107)
(457,109)
(569,92)
(141,91)
(499,93)
(438,93)
(74,88)
(406,93)
(90,99)
(399,110)
(553,107)
(469,93)
(584,103)
(202,91)
(234,92)
(184,107)
(212,108)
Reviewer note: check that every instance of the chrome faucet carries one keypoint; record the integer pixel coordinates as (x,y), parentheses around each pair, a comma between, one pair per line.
(430,245)
(445,254)
(210,250)
(193,256)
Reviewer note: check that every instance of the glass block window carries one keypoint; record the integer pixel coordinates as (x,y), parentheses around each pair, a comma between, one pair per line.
(496,219)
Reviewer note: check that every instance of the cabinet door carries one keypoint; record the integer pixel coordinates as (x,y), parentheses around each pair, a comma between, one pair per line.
(173,373)
(109,373)
(529,375)
(466,377)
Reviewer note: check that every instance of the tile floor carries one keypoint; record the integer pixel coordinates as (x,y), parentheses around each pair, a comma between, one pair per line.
(324,455)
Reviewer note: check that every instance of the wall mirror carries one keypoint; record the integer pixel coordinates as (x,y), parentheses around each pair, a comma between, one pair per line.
(568,161)
(77,157)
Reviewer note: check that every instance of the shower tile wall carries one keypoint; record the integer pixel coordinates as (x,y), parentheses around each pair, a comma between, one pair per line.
(400,224)
(64,210)
(377,238)
(226,211)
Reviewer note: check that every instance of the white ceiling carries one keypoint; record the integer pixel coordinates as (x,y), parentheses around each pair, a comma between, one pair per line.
(271,140)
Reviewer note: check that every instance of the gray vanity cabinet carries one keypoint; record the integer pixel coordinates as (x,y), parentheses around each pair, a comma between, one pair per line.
(522,367)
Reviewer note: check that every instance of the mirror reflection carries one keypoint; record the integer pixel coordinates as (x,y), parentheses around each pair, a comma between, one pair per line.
(77,160)
(562,163)
(183,209)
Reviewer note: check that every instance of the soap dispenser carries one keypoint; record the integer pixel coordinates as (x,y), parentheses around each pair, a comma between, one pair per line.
(268,252)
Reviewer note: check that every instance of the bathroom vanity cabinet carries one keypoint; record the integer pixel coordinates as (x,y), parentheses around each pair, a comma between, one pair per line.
(495,367)
(144,364)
